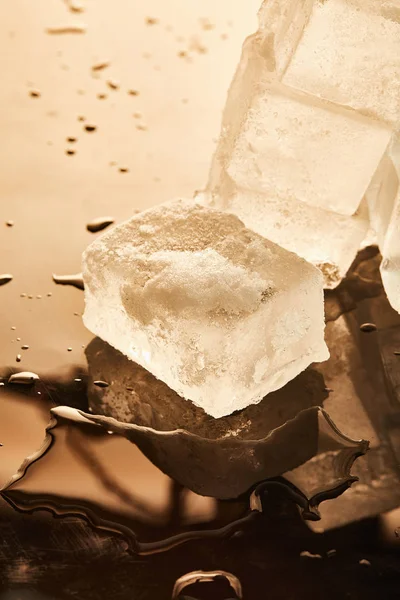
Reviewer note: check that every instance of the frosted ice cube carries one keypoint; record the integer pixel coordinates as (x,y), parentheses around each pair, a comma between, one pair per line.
(220,314)
(308,119)
(349,53)
(326,239)
(297,147)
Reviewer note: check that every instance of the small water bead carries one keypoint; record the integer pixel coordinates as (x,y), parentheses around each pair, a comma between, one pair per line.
(74,280)
(368,327)
(5,278)
(99,224)
(24,378)
(113,84)
(100,66)
(100,383)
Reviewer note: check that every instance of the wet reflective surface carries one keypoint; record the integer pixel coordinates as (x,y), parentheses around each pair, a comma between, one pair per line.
(90,468)
(157,530)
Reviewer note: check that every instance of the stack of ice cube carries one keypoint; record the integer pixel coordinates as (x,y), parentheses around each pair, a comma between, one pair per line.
(307,154)
(220,314)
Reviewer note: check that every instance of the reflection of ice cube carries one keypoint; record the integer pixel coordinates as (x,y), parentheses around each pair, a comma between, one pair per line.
(220,314)
(362,374)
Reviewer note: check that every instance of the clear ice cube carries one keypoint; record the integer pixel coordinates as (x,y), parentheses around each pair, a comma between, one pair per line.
(220,314)
(295,147)
(349,53)
(308,119)
(386,218)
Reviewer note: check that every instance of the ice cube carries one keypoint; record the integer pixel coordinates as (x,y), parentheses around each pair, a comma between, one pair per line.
(295,147)
(309,116)
(220,314)
(384,208)
(390,244)
(326,239)
(349,53)
(390,268)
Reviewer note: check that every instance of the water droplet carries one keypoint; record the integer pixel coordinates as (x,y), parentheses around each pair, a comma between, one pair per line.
(5,278)
(113,84)
(331,553)
(49,294)
(307,554)
(18,358)
(368,327)
(123,170)
(66,29)
(70,152)
(99,224)
(74,280)
(77,379)
(25,347)
(100,66)
(23,295)
(30,296)
(13,328)
(75,6)
(100,383)
(101,96)
(69,349)
(34,94)
(223,577)
(18,339)
(10,223)
(90,128)
(364,562)
(72,140)
(39,296)
(24,378)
